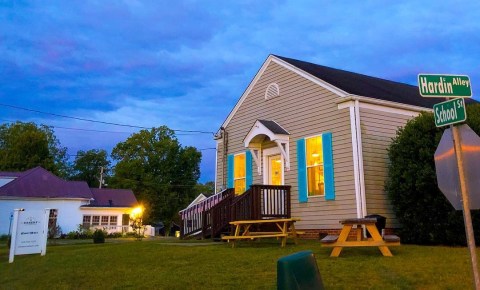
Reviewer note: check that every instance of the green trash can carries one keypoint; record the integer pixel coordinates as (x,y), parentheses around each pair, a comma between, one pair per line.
(298,271)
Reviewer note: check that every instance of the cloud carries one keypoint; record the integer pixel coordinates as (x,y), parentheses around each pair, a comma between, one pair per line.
(185,63)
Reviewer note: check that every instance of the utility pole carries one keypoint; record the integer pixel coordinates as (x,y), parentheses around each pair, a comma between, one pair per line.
(101,177)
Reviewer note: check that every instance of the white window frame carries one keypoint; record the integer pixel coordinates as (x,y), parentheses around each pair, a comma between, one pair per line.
(306,165)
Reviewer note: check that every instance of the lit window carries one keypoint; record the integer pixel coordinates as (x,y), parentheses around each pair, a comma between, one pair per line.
(95,220)
(113,220)
(86,221)
(104,220)
(315,177)
(239,173)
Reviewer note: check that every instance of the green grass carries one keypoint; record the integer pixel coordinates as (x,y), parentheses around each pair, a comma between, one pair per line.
(166,264)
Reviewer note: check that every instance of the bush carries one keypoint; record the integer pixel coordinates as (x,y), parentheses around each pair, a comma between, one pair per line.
(99,236)
(114,235)
(424,212)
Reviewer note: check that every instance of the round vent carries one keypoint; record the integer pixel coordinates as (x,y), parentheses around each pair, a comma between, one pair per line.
(273,90)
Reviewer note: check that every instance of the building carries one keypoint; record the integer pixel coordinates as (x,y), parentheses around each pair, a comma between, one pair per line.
(71,203)
(312,142)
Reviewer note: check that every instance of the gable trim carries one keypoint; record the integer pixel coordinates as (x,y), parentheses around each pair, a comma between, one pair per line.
(382,105)
(270,59)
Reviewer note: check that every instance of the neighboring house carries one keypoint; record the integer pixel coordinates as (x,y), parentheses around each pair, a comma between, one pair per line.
(71,203)
(319,135)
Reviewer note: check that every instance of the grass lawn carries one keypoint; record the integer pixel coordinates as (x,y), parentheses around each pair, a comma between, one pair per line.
(173,264)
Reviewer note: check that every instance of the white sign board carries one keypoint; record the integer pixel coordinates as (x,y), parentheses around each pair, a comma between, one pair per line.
(29,233)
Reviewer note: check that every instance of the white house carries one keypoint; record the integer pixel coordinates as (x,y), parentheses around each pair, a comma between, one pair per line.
(71,203)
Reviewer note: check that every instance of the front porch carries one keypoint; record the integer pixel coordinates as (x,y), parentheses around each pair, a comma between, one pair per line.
(211,217)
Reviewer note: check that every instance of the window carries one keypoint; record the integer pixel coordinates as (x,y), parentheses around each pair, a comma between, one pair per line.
(314,160)
(95,220)
(86,221)
(239,173)
(113,220)
(104,220)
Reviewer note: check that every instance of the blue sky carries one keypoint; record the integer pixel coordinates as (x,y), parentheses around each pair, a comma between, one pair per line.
(185,64)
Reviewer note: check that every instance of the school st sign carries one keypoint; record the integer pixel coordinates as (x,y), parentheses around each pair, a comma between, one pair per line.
(434,85)
(449,112)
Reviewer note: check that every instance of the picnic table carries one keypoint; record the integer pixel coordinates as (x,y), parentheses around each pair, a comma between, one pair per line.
(243,230)
(354,227)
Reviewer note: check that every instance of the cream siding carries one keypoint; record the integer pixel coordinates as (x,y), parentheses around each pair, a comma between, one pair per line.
(378,129)
(304,109)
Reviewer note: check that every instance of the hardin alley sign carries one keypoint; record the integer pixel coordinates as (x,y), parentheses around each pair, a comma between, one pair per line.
(433,85)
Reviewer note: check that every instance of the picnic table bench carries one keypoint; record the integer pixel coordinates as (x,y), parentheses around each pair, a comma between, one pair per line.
(285,229)
(338,242)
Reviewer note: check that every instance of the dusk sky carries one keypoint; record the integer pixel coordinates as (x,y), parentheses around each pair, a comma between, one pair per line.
(185,64)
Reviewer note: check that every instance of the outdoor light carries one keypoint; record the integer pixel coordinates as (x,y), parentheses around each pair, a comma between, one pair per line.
(136,212)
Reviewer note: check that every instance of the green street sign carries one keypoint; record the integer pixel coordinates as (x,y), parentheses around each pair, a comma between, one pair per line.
(449,112)
(444,86)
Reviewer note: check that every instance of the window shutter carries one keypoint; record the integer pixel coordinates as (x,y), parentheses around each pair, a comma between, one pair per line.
(328,166)
(230,166)
(248,166)
(302,171)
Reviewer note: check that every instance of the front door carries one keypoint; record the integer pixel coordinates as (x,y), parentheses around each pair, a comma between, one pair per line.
(273,201)
(275,170)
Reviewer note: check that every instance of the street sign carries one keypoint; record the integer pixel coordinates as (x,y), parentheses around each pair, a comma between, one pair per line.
(447,169)
(449,112)
(454,86)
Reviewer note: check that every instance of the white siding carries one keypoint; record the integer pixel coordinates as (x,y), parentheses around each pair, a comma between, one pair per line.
(69,214)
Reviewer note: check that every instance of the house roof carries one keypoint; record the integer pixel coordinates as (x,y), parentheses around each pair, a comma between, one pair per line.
(10,174)
(366,86)
(38,182)
(345,83)
(106,197)
(274,127)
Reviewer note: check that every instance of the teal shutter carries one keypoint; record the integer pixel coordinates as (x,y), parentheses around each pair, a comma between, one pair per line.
(328,166)
(302,171)
(230,160)
(248,166)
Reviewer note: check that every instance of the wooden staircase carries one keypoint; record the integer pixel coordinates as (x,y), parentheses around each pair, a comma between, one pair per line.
(211,218)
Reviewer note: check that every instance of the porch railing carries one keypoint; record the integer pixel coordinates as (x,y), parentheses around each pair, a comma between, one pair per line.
(212,216)
(219,216)
(262,202)
(192,218)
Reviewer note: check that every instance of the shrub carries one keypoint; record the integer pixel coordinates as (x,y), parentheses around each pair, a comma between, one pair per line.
(424,212)
(114,235)
(99,236)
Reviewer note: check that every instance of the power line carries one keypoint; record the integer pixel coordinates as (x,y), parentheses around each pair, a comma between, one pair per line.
(96,121)
(93,130)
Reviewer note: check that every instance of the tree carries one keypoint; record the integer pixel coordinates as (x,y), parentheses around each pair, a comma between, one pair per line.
(25,145)
(161,173)
(424,212)
(207,189)
(87,164)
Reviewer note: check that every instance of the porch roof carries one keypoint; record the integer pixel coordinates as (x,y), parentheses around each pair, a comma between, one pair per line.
(262,128)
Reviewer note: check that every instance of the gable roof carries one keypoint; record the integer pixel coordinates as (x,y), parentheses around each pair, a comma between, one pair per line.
(366,86)
(38,182)
(107,197)
(345,83)
(274,127)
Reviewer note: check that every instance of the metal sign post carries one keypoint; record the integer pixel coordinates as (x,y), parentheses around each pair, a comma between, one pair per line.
(457,144)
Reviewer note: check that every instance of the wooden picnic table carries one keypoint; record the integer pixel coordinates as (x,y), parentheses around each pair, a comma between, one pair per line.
(243,230)
(355,226)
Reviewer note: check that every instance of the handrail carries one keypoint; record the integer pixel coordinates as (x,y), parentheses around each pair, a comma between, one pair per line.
(192,217)
(212,216)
